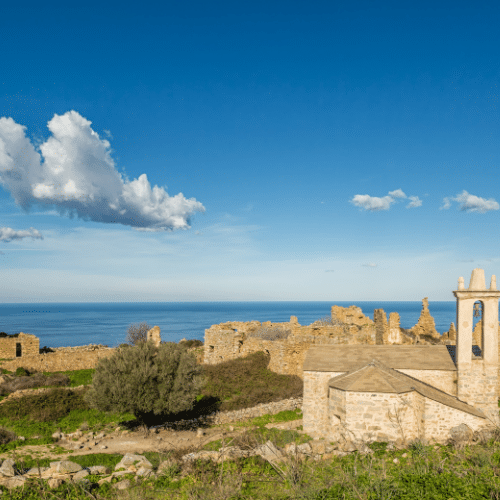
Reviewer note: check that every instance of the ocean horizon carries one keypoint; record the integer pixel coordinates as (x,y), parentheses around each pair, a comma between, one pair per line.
(59,324)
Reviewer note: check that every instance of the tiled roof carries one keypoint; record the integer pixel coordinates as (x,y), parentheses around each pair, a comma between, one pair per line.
(346,358)
(375,377)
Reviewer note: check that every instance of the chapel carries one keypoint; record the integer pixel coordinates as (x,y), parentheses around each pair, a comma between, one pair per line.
(406,392)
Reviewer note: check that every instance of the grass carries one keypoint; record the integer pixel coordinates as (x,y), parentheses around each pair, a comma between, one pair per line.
(246,382)
(77,377)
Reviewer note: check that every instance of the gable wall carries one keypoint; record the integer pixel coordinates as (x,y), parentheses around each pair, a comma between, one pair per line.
(444,380)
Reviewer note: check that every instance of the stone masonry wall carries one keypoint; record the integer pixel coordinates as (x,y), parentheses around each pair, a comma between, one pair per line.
(378,416)
(446,381)
(439,419)
(60,360)
(30,344)
(315,404)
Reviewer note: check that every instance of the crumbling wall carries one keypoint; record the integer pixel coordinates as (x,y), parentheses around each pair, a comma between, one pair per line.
(348,325)
(62,359)
(154,335)
(425,325)
(30,344)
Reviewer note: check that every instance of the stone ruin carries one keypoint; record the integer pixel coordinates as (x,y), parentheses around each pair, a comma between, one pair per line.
(154,335)
(287,343)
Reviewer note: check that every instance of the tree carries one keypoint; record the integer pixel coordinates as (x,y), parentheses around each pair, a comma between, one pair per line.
(146,380)
(138,332)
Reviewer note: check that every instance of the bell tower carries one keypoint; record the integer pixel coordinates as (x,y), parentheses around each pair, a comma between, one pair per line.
(478,370)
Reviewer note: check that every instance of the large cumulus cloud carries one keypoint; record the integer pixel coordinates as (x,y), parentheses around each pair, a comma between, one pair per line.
(75,173)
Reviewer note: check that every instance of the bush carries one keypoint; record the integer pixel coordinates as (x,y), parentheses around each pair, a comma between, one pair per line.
(245,382)
(191,343)
(21,372)
(137,332)
(30,382)
(43,407)
(146,380)
(6,436)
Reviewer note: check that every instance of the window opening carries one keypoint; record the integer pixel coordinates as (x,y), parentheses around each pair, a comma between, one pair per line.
(18,350)
(478,330)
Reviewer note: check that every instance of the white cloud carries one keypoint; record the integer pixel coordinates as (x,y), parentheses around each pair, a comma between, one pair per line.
(375,204)
(78,177)
(398,193)
(372,203)
(446,204)
(415,202)
(370,264)
(470,203)
(8,234)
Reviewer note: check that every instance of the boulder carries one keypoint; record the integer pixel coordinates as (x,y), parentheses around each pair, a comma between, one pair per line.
(270,452)
(461,433)
(80,475)
(99,469)
(131,460)
(8,468)
(36,471)
(14,482)
(55,482)
(65,467)
(122,485)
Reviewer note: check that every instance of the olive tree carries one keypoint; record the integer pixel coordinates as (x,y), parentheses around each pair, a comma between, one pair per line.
(146,380)
(137,332)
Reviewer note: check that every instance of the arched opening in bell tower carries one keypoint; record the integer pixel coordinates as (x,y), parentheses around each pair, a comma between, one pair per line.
(478,329)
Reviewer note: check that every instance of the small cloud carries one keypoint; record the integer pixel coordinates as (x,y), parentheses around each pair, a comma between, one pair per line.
(108,134)
(372,203)
(370,264)
(446,204)
(471,203)
(329,270)
(8,234)
(415,202)
(398,193)
(376,204)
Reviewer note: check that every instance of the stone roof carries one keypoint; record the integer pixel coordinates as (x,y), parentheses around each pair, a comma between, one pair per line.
(346,358)
(375,377)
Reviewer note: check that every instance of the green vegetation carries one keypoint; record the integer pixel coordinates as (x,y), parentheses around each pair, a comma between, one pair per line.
(417,473)
(246,382)
(147,381)
(77,377)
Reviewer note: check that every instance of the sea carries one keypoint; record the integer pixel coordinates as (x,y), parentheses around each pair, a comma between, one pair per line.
(75,324)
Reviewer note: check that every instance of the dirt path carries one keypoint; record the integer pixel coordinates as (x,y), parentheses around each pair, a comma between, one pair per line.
(122,443)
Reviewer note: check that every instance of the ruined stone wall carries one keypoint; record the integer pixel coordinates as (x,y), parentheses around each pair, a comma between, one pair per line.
(425,325)
(30,344)
(63,359)
(231,340)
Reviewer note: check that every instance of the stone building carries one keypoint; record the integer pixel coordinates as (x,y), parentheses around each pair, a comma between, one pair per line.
(404,392)
(18,345)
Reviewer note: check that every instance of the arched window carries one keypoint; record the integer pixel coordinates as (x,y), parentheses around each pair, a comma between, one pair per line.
(478,329)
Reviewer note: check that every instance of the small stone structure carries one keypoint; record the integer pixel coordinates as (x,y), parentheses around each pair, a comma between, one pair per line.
(406,392)
(18,345)
(154,335)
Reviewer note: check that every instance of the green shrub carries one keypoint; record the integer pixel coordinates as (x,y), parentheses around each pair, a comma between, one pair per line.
(191,343)
(245,382)
(6,436)
(146,381)
(21,372)
(43,407)
(137,332)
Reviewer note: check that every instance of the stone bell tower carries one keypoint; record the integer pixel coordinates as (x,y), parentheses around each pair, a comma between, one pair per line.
(478,371)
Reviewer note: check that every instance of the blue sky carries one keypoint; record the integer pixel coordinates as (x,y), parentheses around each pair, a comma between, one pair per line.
(300,150)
